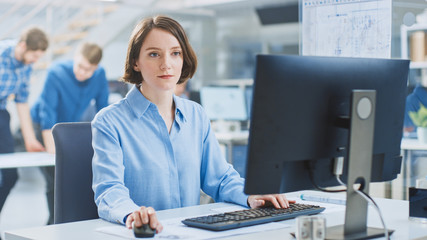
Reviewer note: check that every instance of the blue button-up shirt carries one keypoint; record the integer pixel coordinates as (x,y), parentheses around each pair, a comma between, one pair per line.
(137,162)
(14,75)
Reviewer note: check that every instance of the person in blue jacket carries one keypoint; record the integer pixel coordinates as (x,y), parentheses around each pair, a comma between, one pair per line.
(68,92)
(154,150)
(413,101)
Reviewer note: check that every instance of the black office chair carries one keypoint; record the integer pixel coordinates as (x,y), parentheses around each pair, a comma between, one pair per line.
(74,198)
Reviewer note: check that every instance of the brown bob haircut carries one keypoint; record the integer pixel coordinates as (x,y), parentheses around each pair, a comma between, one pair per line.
(138,36)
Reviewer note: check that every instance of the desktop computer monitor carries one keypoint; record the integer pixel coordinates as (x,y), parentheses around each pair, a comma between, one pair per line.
(224,103)
(300,121)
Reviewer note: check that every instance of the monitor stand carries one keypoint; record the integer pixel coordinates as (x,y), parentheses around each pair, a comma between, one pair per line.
(361,139)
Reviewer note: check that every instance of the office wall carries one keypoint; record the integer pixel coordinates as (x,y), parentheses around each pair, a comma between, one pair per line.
(226,41)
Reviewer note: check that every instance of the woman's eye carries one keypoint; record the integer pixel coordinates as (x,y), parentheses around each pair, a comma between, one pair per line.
(177,53)
(154,54)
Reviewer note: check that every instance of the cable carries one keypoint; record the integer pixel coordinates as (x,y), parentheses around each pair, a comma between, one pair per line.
(324,189)
(339,181)
(369,199)
(310,168)
(337,172)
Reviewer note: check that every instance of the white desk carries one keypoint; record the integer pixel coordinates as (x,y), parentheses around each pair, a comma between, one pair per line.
(408,145)
(394,211)
(26,159)
(412,144)
(229,139)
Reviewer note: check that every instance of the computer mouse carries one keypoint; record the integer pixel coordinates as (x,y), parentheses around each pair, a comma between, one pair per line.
(144,231)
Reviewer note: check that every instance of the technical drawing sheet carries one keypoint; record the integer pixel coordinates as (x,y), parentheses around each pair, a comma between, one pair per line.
(346,28)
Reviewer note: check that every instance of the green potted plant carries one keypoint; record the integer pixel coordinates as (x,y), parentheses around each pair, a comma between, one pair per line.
(419,118)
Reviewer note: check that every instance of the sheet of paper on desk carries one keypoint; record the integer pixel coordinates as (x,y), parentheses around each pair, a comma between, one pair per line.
(175,229)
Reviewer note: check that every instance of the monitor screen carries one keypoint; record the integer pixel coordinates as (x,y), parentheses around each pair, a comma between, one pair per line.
(224,103)
(298,109)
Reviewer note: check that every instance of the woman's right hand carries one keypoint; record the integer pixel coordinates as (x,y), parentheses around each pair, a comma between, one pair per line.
(145,215)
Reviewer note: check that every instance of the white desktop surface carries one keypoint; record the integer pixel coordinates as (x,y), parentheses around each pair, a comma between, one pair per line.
(26,159)
(229,139)
(412,144)
(408,146)
(394,211)
(237,136)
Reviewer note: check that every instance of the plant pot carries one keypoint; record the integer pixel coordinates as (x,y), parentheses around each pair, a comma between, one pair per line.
(422,134)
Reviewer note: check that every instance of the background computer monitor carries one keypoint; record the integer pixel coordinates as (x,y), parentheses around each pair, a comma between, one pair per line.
(297,126)
(248,96)
(224,103)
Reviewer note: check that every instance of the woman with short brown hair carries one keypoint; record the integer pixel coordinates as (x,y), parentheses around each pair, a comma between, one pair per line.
(154,150)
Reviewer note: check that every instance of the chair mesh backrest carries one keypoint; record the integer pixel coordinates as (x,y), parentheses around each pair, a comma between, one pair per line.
(74,198)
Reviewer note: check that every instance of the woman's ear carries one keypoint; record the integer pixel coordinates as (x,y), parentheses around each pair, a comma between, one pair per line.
(135,66)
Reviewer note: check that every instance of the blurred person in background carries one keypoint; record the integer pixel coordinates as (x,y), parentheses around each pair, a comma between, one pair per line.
(16,60)
(70,88)
(414,101)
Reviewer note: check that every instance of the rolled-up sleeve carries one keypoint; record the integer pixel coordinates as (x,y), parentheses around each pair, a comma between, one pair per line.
(111,195)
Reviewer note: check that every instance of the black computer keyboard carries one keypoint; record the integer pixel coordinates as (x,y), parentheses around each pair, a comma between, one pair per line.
(243,218)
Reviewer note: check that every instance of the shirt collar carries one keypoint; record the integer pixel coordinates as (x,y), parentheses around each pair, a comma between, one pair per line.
(139,104)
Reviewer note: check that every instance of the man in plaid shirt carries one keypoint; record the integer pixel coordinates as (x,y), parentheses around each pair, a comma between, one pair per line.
(16,59)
